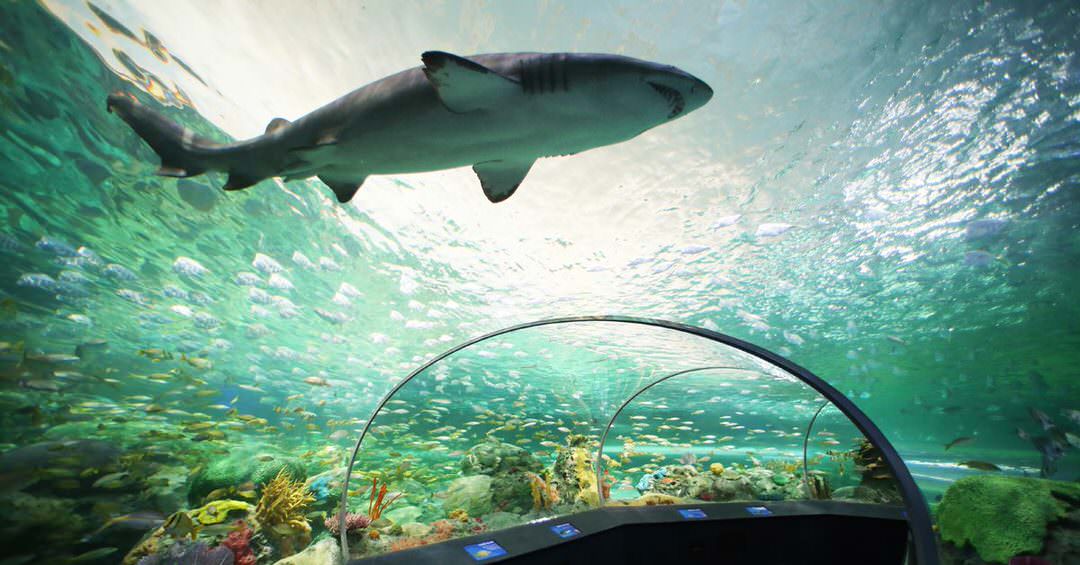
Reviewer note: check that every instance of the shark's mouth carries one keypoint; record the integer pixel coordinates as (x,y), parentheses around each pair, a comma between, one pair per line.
(674,97)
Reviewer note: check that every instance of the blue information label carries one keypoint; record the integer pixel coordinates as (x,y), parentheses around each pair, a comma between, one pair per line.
(566,530)
(758,511)
(692,513)
(485,550)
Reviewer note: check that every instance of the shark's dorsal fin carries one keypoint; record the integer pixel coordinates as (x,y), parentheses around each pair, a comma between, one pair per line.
(464,85)
(501,178)
(276,124)
(343,189)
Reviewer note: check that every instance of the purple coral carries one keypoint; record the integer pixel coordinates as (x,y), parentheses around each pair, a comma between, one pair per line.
(352,522)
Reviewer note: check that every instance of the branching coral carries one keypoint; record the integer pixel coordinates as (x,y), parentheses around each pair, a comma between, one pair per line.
(281,510)
(376,503)
(283,503)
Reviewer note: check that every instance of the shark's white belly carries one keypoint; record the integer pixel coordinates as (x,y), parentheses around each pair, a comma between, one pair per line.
(428,137)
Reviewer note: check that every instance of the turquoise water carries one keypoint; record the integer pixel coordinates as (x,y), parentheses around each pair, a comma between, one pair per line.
(883,192)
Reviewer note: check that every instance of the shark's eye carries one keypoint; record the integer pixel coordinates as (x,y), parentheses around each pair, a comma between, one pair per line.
(674,98)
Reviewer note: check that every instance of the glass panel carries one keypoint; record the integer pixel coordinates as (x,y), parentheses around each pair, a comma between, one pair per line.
(711,435)
(507,430)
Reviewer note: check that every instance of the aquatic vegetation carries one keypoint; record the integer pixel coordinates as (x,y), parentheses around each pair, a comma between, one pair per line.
(1002,517)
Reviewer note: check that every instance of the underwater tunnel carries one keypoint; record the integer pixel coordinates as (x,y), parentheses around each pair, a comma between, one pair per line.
(637,461)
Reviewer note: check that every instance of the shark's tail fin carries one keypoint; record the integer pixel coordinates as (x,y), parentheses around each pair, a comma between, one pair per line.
(183,154)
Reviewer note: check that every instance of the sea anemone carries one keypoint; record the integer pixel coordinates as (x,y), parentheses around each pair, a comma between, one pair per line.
(353,522)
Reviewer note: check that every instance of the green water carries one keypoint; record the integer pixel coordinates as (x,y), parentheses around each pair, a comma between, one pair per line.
(884,193)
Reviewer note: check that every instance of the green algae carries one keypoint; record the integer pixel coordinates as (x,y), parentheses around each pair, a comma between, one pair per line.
(1002,517)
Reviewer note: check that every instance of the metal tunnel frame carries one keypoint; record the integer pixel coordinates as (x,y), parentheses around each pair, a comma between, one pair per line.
(599,461)
(918,514)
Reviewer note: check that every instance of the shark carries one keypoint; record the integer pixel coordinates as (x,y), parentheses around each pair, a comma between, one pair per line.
(497,113)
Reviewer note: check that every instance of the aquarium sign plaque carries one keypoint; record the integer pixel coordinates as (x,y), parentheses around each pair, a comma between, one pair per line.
(692,513)
(758,511)
(485,550)
(566,530)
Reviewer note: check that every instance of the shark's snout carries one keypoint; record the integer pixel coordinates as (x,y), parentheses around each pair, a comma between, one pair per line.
(682,91)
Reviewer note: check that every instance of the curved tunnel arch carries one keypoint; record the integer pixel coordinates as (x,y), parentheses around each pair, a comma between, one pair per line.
(917,512)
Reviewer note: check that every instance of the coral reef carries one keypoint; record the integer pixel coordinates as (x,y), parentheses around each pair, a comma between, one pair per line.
(1002,517)
(239,467)
(574,473)
(543,493)
(508,466)
(281,511)
(877,483)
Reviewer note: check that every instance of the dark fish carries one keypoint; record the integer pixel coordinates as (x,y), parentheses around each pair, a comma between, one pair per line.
(112,23)
(980,465)
(156,46)
(963,440)
(140,521)
(1041,417)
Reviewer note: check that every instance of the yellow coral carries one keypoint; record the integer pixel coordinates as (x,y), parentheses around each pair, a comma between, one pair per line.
(281,509)
(217,511)
(586,478)
(460,515)
(716,469)
(543,494)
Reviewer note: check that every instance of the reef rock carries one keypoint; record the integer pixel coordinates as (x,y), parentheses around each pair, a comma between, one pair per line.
(404,514)
(493,458)
(471,494)
(325,552)
(509,467)
(998,518)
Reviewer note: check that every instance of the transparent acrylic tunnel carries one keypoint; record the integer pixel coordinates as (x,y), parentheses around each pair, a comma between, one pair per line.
(556,417)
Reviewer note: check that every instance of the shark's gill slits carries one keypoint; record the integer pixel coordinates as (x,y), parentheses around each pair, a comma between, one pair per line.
(674,98)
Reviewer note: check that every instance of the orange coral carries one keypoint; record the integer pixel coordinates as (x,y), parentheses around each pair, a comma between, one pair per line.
(376,505)
(406,543)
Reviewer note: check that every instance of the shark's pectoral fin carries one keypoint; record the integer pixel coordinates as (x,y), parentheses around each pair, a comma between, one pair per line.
(276,124)
(239,181)
(464,85)
(501,178)
(343,189)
